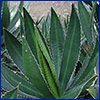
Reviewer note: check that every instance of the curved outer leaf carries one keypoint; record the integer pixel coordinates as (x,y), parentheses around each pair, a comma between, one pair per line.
(56,40)
(14,80)
(14,49)
(32,71)
(48,74)
(71,49)
(74,92)
(88,66)
(12,94)
(85,20)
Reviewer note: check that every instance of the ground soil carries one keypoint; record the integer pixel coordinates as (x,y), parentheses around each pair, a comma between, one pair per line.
(41,8)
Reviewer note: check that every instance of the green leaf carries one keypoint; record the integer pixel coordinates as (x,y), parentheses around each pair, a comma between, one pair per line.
(74,92)
(44,48)
(90,83)
(44,28)
(48,27)
(85,20)
(92,92)
(12,94)
(82,55)
(56,40)
(16,17)
(5,18)
(88,66)
(13,79)
(14,48)
(31,68)
(48,23)
(71,49)
(42,42)
(5,84)
(26,97)
(48,74)
(22,29)
(5,14)
(30,32)
(93,61)
(66,22)
(93,21)
(97,13)
(81,71)
(16,31)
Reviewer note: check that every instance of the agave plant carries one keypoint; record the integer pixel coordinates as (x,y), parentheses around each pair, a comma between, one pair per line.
(48,69)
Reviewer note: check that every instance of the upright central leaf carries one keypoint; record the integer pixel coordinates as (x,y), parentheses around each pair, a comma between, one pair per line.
(56,40)
(71,49)
(50,79)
